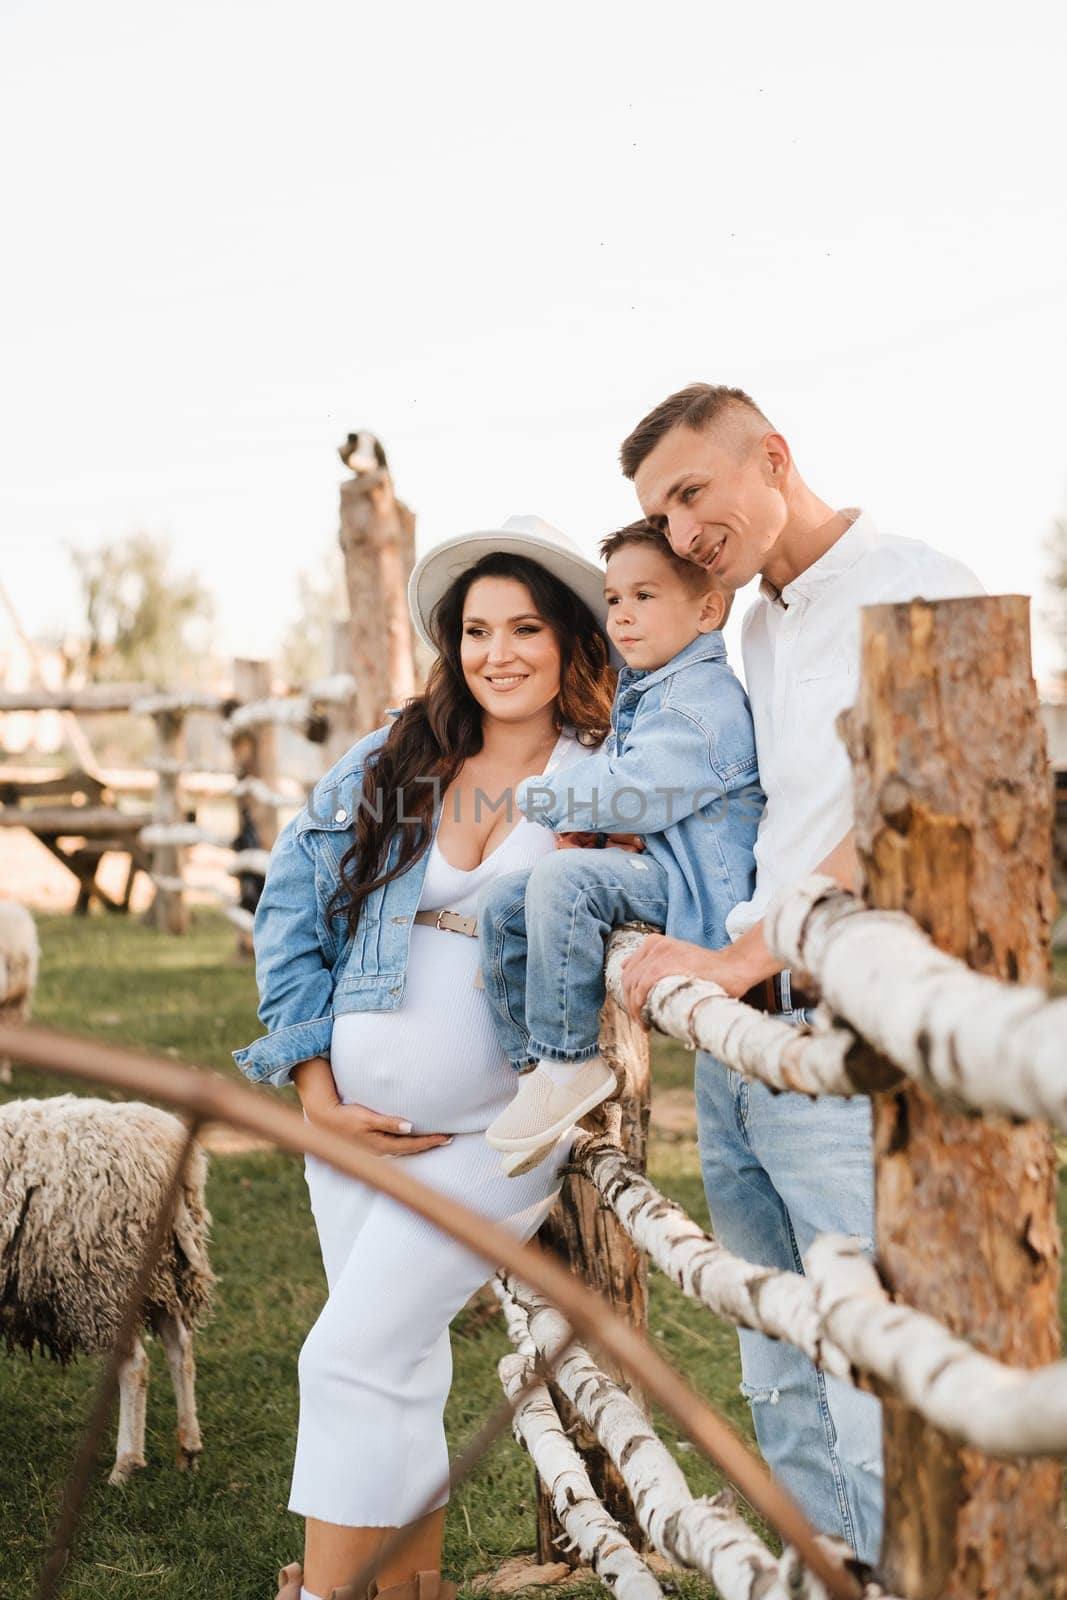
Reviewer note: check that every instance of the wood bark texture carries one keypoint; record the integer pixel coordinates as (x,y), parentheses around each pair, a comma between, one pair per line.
(979,1044)
(596,1536)
(377,538)
(168,911)
(953,826)
(589,1237)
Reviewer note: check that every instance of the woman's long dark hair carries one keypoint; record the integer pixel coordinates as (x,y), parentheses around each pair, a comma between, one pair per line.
(438,730)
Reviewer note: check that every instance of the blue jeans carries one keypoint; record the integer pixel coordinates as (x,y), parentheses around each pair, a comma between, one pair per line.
(779,1169)
(544,934)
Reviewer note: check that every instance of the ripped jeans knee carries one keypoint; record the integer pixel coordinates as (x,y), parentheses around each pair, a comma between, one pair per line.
(759,1397)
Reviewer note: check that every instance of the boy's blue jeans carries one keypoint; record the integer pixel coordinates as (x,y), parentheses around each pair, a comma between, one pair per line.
(779,1169)
(543,935)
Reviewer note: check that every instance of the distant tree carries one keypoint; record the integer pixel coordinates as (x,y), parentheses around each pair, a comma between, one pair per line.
(1057,579)
(143,620)
(307,645)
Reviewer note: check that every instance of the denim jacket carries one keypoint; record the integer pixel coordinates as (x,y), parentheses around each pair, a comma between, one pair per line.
(307,969)
(678,767)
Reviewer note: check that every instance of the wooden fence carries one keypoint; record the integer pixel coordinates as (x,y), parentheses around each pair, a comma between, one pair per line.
(955,1326)
(158,842)
(934,1003)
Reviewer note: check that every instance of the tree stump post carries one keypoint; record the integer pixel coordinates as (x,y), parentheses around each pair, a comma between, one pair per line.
(168,911)
(255,755)
(588,1236)
(953,826)
(255,751)
(342,734)
(377,538)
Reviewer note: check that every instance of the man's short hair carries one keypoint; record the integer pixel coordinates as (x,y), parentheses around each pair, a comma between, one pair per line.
(694,576)
(694,407)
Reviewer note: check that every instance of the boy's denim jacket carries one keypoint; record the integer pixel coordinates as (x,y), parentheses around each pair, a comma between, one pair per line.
(679,767)
(306,968)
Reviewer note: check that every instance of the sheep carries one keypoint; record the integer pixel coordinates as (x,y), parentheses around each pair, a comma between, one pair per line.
(18,967)
(81,1183)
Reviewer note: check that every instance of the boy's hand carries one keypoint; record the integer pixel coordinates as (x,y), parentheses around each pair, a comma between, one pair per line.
(591,841)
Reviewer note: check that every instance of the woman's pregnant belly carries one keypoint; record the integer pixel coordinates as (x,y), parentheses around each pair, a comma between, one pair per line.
(436,1060)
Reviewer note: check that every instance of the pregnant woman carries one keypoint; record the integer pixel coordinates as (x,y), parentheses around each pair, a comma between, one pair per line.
(368,975)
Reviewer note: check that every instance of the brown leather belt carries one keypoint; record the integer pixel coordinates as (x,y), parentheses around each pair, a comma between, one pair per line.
(775,996)
(448,922)
(452,922)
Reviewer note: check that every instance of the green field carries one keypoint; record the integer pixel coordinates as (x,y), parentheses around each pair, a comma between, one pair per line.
(220,1533)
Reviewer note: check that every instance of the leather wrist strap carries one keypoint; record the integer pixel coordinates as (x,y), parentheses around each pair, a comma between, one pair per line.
(771,996)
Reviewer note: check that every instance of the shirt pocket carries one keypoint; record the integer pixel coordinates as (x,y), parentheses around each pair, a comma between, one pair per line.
(823,669)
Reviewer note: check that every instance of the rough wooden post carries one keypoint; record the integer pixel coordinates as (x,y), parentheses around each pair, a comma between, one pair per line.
(343,732)
(255,753)
(378,541)
(168,911)
(952,826)
(590,1238)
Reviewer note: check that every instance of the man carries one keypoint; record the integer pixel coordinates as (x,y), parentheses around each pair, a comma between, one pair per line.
(720,483)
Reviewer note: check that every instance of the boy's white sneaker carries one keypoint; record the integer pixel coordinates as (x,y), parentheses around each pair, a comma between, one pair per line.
(543,1111)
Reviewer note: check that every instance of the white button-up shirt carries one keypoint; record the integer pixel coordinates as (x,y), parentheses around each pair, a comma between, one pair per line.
(801,652)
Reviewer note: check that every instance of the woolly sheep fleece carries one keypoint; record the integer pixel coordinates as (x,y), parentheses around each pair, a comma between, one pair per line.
(81,1182)
(18,961)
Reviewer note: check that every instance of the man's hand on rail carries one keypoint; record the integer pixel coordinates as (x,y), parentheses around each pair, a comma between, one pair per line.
(737,967)
(734,969)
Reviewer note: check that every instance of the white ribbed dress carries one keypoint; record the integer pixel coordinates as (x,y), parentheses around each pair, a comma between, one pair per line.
(376,1368)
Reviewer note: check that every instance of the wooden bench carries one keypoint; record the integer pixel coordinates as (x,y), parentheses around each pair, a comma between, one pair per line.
(75,816)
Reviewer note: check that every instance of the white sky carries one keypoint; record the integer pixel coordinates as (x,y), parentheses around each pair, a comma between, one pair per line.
(497,234)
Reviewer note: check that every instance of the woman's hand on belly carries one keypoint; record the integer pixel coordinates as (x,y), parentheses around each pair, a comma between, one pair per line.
(386,1136)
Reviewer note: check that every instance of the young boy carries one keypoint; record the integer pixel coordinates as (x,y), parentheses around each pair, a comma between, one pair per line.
(678,769)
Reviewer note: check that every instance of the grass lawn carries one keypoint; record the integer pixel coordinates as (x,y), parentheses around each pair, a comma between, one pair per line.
(221,1532)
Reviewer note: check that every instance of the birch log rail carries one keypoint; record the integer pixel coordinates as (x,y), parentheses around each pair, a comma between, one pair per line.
(780,1304)
(840,1316)
(976,1043)
(597,1537)
(708,1536)
(595,1246)
(701,1015)
(1023,1412)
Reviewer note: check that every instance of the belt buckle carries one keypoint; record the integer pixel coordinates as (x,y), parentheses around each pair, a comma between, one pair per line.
(439,925)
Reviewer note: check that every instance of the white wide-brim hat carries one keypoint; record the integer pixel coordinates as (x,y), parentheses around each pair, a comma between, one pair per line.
(521,536)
